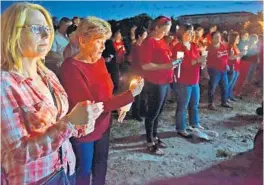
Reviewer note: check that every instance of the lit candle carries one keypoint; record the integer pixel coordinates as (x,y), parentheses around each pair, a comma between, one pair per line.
(246,48)
(133,82)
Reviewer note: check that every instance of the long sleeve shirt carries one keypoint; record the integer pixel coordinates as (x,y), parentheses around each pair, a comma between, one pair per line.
(33,129)
(84,81)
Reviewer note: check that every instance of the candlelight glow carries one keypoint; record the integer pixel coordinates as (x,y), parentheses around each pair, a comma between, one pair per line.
(133,82)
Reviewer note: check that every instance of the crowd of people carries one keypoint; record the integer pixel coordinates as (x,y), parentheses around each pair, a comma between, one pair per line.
(60,84)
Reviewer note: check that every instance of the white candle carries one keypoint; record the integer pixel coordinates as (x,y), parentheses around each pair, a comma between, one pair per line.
(179,71)
(180,54)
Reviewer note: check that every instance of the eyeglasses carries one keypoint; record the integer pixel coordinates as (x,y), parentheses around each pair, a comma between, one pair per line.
(38,29)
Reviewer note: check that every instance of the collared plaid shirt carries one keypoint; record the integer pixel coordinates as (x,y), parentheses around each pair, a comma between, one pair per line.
(33,129)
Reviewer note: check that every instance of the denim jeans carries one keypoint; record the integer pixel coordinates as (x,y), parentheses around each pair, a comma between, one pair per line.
(157,94)
(188,96)
(232,83)
(139,106)
(91,157)
(217,77)
(84,157)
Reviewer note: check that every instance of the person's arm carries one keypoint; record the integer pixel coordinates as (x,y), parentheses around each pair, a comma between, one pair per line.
(78,90)
(19,143)
(156,67)
(146,57)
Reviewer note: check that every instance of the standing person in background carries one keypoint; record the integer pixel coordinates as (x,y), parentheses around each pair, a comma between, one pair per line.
(244,64)
(34,121)
(54,58)
(157,68)
(139,103)
(130,40)
(85,77)
(75,21)
(200,43)
(73,47)
(252,58)
(217,68)
(187,86)
(208,38)
(109,55)
(119,49)
(234,63)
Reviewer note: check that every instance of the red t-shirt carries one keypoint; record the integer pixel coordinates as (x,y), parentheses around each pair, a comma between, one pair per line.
(84,81)
(190,74)
(217,57)
(236,62)
(208,39)
(157,52)
(120,51)
(135,58)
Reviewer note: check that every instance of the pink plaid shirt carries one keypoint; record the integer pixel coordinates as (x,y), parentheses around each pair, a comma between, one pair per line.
(30,132)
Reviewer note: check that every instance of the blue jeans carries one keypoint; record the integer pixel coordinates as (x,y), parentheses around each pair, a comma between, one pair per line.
(91,157)
(217,77)
(157,94)
(84,157)
(188,96)
(232,83)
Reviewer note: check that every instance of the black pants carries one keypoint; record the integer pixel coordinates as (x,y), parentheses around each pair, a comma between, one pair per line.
(115,75)
(156,99)
(139,106)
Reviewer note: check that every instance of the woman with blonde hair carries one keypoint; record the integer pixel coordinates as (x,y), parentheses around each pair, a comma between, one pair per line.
(90,80)
(34,124)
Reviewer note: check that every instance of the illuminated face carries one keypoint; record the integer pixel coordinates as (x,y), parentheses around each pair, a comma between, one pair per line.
(245,36)
(118,36)
(216,38)
(35,35)
(187,36)
(76,21)
(93,47)
(163,30)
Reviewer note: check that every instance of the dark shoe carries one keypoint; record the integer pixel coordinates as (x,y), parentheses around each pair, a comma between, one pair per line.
(233,99)
(138,118)
(212,107)
(226,105)
(160,143)
(184,134)
(153,149)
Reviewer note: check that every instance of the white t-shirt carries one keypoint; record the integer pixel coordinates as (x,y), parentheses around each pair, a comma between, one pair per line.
(59,43)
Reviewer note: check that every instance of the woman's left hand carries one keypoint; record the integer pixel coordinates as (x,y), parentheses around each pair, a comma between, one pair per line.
(121,115)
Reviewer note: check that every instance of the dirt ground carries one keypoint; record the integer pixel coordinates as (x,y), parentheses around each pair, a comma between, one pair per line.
(130,164)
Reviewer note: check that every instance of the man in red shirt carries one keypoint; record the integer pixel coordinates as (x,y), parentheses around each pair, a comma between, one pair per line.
(217,69)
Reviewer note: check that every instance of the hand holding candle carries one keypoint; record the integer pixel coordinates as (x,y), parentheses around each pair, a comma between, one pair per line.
(136,86)
(245,50)
(180,55)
